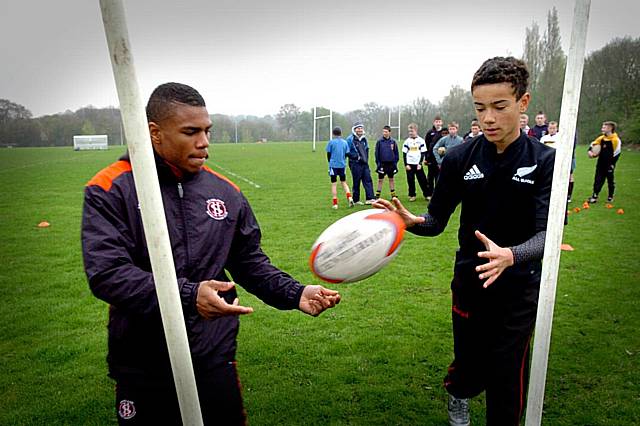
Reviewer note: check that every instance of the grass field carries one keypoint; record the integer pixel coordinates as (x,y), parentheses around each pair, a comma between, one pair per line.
(377,359)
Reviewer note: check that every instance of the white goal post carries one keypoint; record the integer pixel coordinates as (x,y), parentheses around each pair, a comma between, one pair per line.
(88,142)
(398,126)
(315,119)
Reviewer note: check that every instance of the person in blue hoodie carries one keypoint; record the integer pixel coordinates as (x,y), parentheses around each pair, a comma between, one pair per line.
(387,157)
(359,164)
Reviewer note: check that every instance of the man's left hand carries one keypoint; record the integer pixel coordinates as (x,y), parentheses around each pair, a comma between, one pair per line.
(500,258)
(316,299)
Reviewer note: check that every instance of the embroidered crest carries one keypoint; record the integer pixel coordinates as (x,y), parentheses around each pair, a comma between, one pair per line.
(216,209)
(126,409)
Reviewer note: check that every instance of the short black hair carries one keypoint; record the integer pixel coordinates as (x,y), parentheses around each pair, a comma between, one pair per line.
(337,131)
(165,96)
(387,128)
(503,70)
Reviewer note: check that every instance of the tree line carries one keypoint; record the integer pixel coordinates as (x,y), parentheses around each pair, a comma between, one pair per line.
(610,91)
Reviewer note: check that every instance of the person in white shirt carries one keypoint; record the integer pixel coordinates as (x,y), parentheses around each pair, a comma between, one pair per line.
(552,139)
(414,153)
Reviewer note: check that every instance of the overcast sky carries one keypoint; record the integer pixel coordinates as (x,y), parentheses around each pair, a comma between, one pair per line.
(251,57)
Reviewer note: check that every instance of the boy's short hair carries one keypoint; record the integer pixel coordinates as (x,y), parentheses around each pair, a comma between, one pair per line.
(387,128)
(613,125)
(475,123)
(337,131)
(541,113)
(555,123)
(437,117)
(413,126)
(453,124)
(503,70)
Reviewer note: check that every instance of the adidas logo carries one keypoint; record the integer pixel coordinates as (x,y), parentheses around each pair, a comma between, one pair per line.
(473,173)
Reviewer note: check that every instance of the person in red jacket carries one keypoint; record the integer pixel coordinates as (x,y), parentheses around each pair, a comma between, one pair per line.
(212,230)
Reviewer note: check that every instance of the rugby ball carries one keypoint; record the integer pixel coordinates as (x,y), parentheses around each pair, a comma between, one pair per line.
(357,246)
(595,150)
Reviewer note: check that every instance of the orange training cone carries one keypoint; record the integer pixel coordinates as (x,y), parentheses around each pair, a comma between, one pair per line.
(44,224)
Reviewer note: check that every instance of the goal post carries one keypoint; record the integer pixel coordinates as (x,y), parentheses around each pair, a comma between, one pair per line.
(399,123)
(316,117)
(557,208)
(151,209)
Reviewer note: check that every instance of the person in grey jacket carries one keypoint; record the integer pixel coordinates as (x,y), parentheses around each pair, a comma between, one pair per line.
(447,142)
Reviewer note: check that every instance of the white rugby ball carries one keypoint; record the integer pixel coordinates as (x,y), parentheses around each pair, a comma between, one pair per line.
(595,150)
(357,246)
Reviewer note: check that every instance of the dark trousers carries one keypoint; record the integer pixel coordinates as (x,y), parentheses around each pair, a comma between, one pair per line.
(152,403)
(607,173)
(360,172)
(432,176)
(422,181)
(492,330)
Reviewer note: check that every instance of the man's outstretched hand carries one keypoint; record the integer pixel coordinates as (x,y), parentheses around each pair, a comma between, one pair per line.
(316,299)
(210,305)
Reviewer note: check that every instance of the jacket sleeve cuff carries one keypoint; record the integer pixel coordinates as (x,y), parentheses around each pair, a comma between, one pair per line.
(188,293)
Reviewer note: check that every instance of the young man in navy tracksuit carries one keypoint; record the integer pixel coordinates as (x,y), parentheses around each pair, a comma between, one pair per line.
(212,230)
(359,164)
(502,179)
(387,157)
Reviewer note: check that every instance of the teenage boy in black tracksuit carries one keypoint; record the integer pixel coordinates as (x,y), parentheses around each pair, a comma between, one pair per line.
(430,139)
(387,157)
(212,230)
(503,181)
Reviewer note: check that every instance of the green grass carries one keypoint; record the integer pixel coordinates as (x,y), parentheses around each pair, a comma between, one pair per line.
(378,358)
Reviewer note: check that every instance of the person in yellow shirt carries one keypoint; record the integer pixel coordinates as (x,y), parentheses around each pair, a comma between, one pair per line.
(609,145)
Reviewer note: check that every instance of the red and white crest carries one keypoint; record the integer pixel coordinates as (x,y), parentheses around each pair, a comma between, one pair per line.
(126,409)
(216,209)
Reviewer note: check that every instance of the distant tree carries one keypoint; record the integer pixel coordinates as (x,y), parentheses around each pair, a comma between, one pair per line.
(532,54)
(458,106)
(611,89)
(16,126)
(87,128)
(12,111)
(421,111)
(548,93)
(288,117)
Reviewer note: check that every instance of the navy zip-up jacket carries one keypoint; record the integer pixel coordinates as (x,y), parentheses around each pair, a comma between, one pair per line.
(386,151)
(358,149)
(211,229)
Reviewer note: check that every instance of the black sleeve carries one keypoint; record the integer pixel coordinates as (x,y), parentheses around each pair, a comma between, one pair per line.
(429,228)
(252,269)
(117,267)
(404,158)
(328,156)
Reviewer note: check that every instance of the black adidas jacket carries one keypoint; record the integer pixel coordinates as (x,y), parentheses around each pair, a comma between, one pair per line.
(211,229)
(505,196)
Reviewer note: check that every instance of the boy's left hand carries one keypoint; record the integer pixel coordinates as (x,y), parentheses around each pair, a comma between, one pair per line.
(500,258)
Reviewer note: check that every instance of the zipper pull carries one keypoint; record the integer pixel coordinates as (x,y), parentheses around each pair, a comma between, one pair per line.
(180,190)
